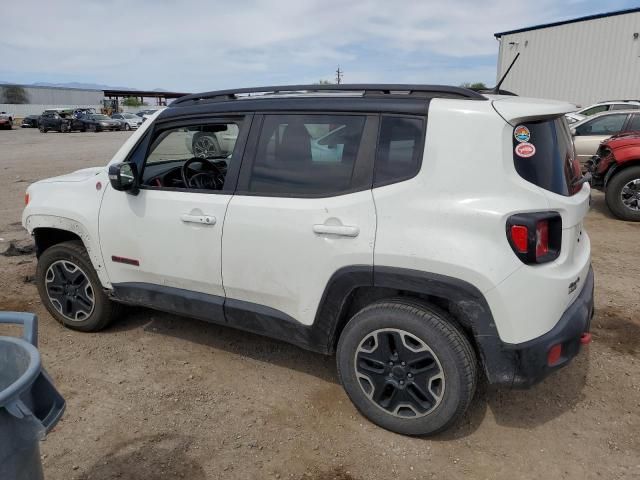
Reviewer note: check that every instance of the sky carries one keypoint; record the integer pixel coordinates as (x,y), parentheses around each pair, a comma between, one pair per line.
(199,45)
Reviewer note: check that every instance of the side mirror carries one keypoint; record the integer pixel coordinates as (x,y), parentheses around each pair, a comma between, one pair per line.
(573,132)
(124,177)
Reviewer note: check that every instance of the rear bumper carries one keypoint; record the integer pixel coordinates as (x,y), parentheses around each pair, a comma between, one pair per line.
(525,364)
(531,357)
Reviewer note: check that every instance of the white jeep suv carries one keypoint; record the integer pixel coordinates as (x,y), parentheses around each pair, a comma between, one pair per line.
(426,235)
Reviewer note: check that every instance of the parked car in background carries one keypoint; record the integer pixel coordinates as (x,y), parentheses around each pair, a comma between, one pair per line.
(145,114)
(6,120)
(608,106)
(590,132)
(615,169)
(30,121)
(97,122)
(601,107)
(59,120)
(129,121)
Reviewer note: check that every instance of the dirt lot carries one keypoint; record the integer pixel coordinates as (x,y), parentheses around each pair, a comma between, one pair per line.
(159,396)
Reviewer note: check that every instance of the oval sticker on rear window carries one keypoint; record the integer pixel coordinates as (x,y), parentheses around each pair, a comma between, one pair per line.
(521,133)
(525,150)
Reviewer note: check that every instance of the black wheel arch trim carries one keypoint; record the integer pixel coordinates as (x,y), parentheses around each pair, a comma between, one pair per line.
(467,304)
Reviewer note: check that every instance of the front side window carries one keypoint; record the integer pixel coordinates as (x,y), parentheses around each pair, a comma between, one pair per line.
(606,125)
(193,157)
(399,149)
(306,154)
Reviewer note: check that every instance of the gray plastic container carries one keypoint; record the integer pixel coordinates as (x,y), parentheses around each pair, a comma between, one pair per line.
(30,406)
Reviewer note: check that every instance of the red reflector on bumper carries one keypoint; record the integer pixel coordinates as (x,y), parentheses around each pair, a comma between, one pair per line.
(585,339)
(554,355)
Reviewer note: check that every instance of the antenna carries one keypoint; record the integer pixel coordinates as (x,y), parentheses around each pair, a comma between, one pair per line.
(496,89)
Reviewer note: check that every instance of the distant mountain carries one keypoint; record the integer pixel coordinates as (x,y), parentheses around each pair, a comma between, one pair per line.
(87,86)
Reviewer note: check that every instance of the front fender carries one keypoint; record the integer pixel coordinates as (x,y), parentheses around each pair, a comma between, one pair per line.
(33,222)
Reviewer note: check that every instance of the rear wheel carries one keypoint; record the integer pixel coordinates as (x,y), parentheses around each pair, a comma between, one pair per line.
(70,289)
(407,367)
(623,194)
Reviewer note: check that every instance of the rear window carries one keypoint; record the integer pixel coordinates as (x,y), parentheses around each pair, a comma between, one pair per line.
(543,154)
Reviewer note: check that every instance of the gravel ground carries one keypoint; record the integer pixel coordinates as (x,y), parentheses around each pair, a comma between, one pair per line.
(159,396)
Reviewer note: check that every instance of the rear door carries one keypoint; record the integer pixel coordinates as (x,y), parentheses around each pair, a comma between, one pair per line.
(302,211)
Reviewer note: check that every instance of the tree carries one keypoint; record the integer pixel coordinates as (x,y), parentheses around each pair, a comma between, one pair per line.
(473,86)
(14,94)
(132,102)
(324,82)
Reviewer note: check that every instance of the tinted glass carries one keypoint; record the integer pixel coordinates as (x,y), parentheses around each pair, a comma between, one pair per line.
(624,106)
(399,149)
(634,124)
(306,154)
(553,165)
(606,125)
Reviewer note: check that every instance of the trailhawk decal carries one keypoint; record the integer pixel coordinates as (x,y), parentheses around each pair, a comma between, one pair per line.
(522,133)
(525,150)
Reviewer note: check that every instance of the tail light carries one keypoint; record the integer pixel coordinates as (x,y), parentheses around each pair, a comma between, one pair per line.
(26,199)
(535,237)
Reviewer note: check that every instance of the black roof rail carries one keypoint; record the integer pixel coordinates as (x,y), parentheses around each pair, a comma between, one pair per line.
(427,91)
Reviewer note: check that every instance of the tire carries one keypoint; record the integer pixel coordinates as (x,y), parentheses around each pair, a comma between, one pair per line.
(127,127)
(205,145)
(439,372)
(623,194)
(70,289)
(43,129)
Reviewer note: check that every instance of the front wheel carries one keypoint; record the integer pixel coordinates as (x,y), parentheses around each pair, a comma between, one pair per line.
(623,194)
(406,366)
(127,127)
(70,289)
(43,129)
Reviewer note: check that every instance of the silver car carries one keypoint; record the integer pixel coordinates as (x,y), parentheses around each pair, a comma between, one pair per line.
(590,132)
(129,120)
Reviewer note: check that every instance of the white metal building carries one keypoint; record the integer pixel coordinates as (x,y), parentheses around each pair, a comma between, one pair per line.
(585,60)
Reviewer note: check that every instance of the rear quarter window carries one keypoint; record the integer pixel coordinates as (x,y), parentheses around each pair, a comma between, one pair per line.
(547,157)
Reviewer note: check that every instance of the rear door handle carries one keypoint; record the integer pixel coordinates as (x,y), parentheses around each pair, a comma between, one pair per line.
(342,230)
(201,219)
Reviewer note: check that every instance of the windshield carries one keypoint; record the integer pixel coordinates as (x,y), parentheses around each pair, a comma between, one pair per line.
(544,155)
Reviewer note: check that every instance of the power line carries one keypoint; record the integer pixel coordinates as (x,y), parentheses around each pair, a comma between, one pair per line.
(339,75)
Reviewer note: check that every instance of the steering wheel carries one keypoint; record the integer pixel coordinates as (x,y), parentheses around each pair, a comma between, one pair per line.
(213,179)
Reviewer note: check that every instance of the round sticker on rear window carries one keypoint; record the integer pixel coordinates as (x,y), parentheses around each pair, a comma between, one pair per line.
(525,150)
(522,133)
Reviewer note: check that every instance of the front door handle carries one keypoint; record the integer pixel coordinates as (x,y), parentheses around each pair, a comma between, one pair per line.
(201,219)
(342,230)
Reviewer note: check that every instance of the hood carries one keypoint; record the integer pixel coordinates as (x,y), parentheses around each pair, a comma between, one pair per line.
(623,140)
(77,176)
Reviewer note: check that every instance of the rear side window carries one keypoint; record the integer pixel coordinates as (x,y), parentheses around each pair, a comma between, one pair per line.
(543,154)
(306,154)
(399,149)
(634,123)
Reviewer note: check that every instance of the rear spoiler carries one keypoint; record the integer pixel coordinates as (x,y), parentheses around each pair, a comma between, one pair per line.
(515,110)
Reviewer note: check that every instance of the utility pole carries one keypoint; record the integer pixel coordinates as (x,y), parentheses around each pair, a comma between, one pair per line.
(339,74)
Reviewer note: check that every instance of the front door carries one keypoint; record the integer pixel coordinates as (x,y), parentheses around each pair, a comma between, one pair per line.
(165,242)
(303,210)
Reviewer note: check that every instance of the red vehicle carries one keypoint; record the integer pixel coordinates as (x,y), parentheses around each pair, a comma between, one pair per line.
(615,169)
